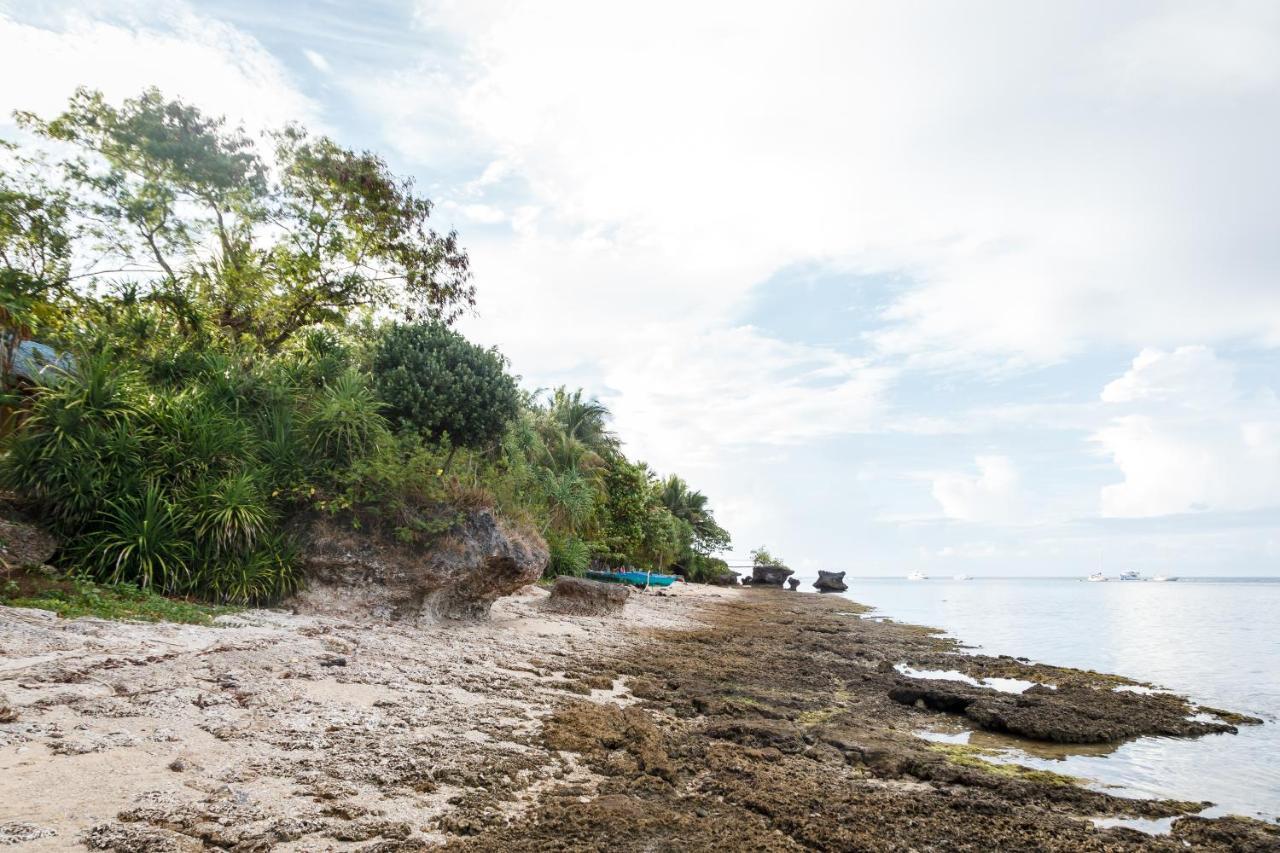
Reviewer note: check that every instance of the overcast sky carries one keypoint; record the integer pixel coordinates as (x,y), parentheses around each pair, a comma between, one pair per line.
(955,287)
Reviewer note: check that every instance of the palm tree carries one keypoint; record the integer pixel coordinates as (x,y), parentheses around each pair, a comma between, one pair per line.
(690,506)
(684,503)
(583,420)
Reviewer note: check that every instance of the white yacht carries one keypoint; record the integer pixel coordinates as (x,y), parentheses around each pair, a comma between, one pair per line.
(1096,577)
(963,577)
(917,576)
(1130,575)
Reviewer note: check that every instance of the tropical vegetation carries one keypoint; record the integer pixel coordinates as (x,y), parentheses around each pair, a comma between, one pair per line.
(261,329)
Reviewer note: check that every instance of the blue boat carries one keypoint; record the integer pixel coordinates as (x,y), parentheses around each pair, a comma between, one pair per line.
(640,579)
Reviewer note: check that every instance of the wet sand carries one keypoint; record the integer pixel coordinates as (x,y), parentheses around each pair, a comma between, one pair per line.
(703,719)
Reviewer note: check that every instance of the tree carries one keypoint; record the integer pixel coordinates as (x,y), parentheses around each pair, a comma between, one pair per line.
(582,421)
(624,512)
(691,507)
(181,200)
(357,235)
(762,557)
(437,383)
(35,257)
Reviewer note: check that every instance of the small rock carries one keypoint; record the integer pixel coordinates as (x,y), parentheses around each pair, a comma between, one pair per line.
(333,660)
(178,765)
(586,597)
(19,832)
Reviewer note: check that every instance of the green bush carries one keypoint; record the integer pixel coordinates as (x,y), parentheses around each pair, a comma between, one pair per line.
(345,423)
(437,383)
(177,490)
(569,556)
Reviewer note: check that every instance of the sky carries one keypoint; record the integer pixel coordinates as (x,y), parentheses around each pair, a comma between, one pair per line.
(987,287)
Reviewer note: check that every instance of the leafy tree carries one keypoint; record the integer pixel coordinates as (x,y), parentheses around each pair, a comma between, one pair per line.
(761,557)
(438,383)
(623,512)
(187,204)
(35,256)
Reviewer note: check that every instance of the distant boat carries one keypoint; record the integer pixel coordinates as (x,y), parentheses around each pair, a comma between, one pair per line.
(917,576)
(1130,575)
(1162,579)
(963,577)
(1097,577)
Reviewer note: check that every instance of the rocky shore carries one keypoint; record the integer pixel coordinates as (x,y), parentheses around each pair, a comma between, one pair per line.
(699,719)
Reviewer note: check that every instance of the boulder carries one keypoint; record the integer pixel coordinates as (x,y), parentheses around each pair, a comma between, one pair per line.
(770,575)
(793,583)
(830,582)
(586,597)
(725,578)
(371,573)
(22,542)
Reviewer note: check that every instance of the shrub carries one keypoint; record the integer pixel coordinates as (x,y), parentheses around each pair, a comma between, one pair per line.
(569,556)
(437,383)
(143,541)
(345,423)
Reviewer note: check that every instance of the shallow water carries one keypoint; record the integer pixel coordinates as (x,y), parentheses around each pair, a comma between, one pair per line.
(1215,640)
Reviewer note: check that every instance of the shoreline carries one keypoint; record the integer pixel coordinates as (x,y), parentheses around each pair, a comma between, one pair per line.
(704,718)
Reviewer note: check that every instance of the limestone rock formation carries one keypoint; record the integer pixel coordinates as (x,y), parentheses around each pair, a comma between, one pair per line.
(22,543)
(360,574)
(770,575)
(726,578)
(830,582)
(586,597)
(793,583)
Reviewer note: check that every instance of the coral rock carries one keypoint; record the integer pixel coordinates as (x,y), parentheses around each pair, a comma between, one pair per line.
(586,597)
(355,573)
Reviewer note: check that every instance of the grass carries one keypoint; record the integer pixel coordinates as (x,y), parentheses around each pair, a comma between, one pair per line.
(965,755)
(74,597)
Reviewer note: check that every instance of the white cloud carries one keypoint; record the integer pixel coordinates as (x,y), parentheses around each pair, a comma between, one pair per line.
(688,397)
(992,495)
(1014,162)
(1189,439)
(317,61)
(1190,375)
(171,46)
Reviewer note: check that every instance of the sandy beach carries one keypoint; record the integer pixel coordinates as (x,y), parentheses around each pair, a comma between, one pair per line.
(700,719)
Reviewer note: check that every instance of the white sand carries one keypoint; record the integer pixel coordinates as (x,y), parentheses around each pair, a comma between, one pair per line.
(270,735)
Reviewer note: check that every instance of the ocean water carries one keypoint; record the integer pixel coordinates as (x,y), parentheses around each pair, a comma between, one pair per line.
(1216,641)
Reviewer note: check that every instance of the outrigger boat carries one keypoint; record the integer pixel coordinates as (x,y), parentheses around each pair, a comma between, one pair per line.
(640,579)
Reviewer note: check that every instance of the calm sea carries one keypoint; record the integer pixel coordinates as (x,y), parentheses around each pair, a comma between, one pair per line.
(1215,640)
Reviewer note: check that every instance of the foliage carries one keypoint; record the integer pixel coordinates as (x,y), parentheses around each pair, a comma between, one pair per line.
(35,257)
(436,382)
(71,598)
(569,556)
(186,203)
(163,488)
(703,569)
(233,368)
(761,557)
(345,423)
(691,507)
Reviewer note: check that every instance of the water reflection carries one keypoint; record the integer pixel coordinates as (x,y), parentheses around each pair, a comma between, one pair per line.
(1217,642)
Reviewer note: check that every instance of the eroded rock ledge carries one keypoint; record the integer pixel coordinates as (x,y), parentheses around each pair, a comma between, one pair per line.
(369,574)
